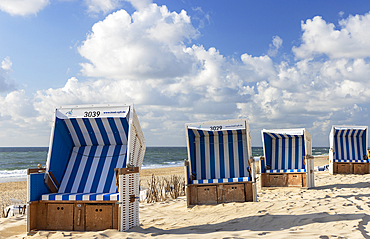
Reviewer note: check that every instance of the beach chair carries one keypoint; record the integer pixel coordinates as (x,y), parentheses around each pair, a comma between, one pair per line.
(348,150)
(91,149)
(287,160)
(220,166)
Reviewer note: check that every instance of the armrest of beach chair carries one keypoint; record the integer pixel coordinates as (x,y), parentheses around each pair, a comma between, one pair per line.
(309,162)
(36,184)
(124,171)
(51,182)
(128,188)
(186,171)
(262,164)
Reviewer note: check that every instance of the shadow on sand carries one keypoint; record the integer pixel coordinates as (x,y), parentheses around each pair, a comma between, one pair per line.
(345,185)
(264,223)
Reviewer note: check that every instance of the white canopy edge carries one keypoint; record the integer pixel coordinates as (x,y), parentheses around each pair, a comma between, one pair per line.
(299,131)
(345,127)
(219,125)
(93,111)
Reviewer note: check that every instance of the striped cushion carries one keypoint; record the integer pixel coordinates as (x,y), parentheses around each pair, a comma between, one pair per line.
(286,171)
(91,169)
(284,152)
(221,180)
(81,197)
(349,144)
(349,161)
(218,154)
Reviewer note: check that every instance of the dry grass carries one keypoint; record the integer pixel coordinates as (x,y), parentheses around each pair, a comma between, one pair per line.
(161,188)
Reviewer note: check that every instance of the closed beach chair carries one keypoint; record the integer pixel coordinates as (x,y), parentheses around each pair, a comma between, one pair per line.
(348,150)
(220,166)
(287,160)
(92,148)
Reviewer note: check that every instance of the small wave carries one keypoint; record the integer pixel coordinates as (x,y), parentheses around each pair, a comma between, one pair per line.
(163,165)
(13,175)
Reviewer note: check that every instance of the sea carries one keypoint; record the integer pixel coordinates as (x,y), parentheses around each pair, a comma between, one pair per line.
(14,161)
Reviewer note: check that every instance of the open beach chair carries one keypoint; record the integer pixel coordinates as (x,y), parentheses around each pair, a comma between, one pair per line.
(287,160)
(220,166)
(348,150)
(92,148)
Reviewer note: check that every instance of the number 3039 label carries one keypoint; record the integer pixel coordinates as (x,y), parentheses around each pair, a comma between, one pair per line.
(91,114)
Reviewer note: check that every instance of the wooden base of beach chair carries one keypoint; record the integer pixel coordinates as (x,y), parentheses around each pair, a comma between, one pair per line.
(220,193)
(73,215)
(351,168)
(283,180)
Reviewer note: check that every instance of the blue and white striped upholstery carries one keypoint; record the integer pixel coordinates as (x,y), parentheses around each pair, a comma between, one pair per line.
(350,161)
(216,156)
(95,147)
(284,152)
(349,145)
(286,171)
(81,197)
(91,169)
(222,180)
(98,131)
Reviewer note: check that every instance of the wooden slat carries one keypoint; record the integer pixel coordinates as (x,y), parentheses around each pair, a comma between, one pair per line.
(79,217)
(60,217)
(50,184)
(35,170)
(54,179)
(295,180)
(123,171)
(248,192)
(231,193)
(207,195)
(99,217)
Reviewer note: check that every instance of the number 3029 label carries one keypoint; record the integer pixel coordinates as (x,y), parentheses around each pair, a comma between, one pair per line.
(214,128)
(91,114)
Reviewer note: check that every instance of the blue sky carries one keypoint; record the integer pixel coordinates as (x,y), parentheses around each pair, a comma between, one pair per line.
(281,64)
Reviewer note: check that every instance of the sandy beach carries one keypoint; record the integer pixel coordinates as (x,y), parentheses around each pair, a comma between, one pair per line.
(335,208)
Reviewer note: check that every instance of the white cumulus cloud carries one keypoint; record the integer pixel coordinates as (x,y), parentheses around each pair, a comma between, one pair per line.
(23,7)
(105,6)
(6,64)
(148,44)
(275,45)
(349,40)
(6,84)
(147,58)
(140,4)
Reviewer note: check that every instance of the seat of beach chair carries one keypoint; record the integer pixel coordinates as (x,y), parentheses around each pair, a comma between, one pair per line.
(351,160)
(302,170)
(221,180)
(80,197)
